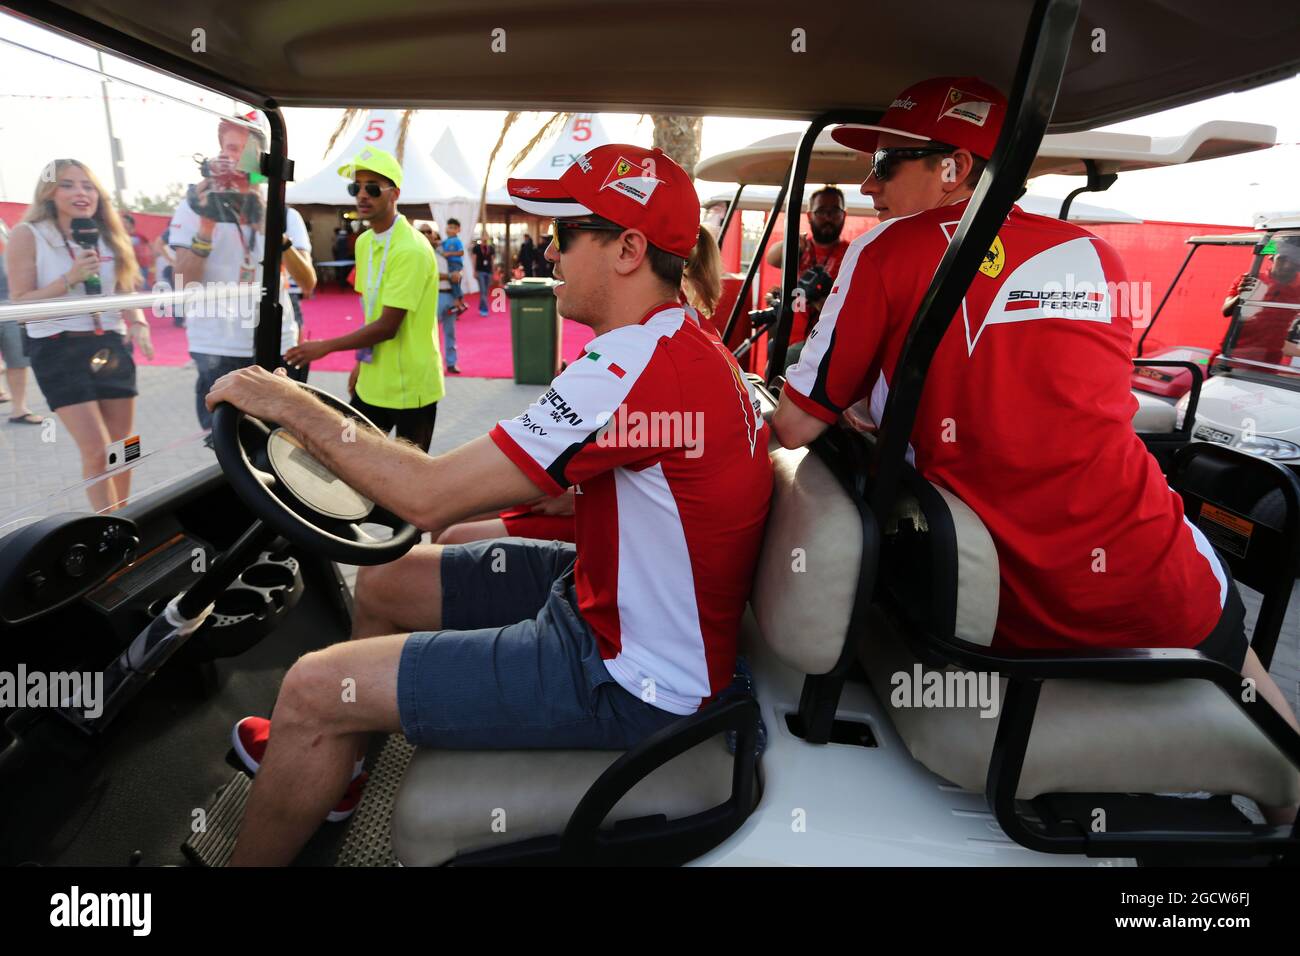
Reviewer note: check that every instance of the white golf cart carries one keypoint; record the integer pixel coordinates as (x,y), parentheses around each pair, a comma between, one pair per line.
(902,578)
(1252,399)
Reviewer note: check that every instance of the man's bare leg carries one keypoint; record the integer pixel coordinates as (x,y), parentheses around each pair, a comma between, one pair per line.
(399,597)
(330,699)
(1273,695)
(468,531)
(404,595)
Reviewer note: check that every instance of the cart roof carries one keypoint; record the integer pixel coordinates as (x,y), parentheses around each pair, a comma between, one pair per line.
(1228,239)
(766,161)
(681,57)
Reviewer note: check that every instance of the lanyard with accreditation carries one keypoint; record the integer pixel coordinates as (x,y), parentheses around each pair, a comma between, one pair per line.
(374,279)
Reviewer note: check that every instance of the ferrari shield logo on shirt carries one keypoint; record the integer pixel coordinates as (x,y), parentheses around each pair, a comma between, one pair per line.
(631,180)
(994,260)
(1063,282)
(964,106)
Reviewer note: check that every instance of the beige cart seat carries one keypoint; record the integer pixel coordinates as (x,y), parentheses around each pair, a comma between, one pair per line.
(458,801)
(1088,736)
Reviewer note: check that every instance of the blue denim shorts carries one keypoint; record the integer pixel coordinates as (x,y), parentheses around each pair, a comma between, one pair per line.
(516,666)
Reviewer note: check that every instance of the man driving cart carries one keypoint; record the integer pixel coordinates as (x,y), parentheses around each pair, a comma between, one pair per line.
(510,643)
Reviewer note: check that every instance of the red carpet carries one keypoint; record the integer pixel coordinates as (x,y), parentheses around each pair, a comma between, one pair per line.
(482,342)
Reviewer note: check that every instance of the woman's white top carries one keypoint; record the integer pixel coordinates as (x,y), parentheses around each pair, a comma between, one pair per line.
(53,260)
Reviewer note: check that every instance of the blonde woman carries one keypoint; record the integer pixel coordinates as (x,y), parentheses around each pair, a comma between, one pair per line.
(81,362)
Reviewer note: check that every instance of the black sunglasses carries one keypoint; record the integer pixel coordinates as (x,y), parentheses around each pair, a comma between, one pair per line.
(883,160)
(561,227)
(372,189)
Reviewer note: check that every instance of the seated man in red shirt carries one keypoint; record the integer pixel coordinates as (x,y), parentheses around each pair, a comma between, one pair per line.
(520,644)
(1264,333)
(1093,547)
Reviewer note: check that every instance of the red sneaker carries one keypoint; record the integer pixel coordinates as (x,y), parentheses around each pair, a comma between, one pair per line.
(250,737)
(348,805)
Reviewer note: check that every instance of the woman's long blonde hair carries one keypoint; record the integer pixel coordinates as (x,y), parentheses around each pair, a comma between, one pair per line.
(702,277)
(127,269)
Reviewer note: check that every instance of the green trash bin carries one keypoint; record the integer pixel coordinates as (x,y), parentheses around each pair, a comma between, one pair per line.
(534,330)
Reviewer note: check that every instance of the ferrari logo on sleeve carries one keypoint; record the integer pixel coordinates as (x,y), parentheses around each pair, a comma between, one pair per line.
(994,259)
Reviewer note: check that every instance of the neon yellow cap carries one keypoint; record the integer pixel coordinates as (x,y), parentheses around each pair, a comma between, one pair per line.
(376,160)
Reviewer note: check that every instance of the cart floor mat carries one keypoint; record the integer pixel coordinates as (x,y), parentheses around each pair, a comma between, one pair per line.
(215,842)
(369,841)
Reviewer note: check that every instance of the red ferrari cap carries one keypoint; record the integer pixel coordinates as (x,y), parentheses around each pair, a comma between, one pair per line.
(962,111)
(636,188)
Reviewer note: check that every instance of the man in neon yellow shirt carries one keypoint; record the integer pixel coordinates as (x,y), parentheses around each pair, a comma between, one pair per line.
(397,381)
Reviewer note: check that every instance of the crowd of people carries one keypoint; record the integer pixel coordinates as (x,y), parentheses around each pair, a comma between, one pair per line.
(71,241)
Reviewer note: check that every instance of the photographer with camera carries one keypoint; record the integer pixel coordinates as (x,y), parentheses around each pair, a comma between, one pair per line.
(218,234)
(72,243)
(1267,332)
(821,251)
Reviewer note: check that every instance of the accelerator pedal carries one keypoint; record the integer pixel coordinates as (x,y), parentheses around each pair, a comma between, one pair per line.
(214,845)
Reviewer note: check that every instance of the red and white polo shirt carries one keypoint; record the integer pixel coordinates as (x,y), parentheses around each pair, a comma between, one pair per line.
(666,443)
(1027,417)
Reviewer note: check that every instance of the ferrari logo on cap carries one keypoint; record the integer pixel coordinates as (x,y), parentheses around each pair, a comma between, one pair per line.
(632,181)
(967,107)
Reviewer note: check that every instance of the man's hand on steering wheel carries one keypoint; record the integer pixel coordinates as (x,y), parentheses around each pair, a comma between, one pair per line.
(257,392)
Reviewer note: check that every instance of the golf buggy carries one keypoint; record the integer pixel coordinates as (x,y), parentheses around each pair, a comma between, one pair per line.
(1094,757)
(1251,400)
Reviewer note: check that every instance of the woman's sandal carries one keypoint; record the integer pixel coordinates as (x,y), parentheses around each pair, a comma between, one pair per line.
(31,418)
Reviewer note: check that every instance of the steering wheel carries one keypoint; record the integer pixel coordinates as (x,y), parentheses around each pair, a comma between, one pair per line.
(298,496)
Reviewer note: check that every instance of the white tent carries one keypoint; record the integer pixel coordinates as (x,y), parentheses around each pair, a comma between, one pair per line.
(447,156)
(424,181)
(460,200)
(582,132)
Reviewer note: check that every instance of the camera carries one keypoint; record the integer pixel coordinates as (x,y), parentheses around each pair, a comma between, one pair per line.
(816,284)
(226,175)
(229,197)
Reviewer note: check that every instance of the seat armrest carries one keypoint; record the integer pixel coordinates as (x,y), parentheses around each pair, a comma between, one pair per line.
(583,841)
(1198,376)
